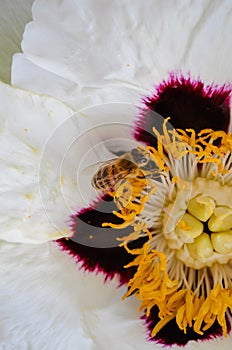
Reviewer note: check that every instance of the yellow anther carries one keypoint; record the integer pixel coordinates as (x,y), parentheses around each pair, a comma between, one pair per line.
(221,220)
(201,248)
(222,242)
(189,228)
(201,207)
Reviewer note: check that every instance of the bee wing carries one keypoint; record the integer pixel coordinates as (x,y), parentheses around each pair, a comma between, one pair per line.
(93,168)
(111,173)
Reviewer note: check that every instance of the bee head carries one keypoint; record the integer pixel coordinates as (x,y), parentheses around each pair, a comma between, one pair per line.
(143,160)
(140,157)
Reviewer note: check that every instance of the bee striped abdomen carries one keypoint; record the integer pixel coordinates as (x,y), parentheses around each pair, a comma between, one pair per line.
(110,173)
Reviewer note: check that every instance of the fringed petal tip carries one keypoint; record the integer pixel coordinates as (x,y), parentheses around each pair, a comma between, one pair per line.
(95,247)
(171,335)
(188,102)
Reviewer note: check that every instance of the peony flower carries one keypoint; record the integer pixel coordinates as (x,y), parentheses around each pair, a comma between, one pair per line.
(175,246)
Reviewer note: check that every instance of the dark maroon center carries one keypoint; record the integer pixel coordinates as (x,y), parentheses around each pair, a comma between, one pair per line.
(188,103)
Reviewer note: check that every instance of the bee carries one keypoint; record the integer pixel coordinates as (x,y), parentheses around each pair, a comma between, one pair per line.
(136,163)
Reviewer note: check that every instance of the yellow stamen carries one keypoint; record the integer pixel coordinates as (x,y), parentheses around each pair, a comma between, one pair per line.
(161,324)
(153,287)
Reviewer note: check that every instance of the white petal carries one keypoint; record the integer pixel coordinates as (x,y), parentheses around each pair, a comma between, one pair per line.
(45,149)
(48,303)
(93,135)
(26,122)
(32,77)
(14,15)
(52,305)
(112,44)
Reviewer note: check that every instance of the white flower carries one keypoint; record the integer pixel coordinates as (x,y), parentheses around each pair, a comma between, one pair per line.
(83,53)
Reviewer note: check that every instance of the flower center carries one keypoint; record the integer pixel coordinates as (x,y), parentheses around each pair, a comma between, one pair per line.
(203,232)
(185,267)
